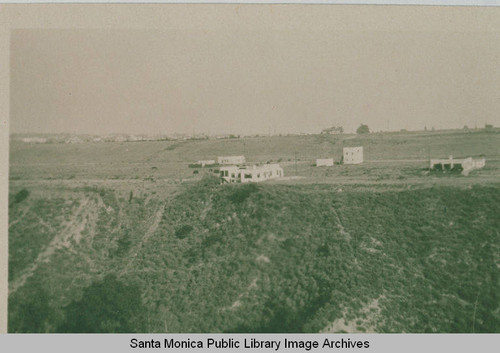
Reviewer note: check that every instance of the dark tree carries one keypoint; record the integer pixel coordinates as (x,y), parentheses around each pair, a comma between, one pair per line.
(107,306)
(363,129)
(20,196)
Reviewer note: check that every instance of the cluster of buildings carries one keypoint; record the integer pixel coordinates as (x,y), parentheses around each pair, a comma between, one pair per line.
(354,155)
(76,139)
(234,169)
(350,155)
(34,140)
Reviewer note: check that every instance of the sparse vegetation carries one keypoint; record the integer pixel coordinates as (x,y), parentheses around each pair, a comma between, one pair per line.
(333,130)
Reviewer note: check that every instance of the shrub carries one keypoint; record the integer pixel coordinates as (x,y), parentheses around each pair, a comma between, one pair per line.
(183,231)
(242,192)
(21,196)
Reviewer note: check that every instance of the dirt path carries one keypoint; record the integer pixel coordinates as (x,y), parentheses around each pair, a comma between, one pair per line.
(340,226)
(365,320)
(396,160)
(25,211)
(152,228)
(73,229)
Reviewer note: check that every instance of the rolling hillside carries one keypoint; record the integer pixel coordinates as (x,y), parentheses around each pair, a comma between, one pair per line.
(255,258)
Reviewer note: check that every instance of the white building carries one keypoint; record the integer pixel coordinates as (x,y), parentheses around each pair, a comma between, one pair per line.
(326,162)
(34,140)
(255,174)
(231,160)
(353,155)
(465,165)
(73,139)
(205,162)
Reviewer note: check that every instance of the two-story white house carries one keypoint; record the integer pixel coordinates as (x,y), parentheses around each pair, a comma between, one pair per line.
(353,155)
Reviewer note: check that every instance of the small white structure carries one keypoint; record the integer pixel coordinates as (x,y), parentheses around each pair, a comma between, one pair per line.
(34,140)
(205,162)
(353,155)
(465,165)
(255,174)
(73,139)
(326,162)
(231,160)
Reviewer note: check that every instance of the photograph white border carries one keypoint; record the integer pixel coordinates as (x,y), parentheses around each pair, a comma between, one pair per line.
(38,15)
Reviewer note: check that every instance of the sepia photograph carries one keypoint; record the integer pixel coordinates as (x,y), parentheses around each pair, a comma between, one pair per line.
(234,168)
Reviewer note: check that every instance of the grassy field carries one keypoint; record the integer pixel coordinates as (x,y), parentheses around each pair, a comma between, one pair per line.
(380,247)
(390,152)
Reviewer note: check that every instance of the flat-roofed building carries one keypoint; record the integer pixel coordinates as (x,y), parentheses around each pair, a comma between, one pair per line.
(324,162)
(205,162)
(255,174)
(227,160)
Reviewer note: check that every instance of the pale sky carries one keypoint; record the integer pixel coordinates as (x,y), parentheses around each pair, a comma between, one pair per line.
(250,80)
